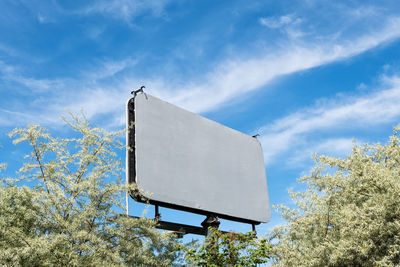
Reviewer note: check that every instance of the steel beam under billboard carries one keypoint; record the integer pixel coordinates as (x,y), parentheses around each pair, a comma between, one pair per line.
(187,162)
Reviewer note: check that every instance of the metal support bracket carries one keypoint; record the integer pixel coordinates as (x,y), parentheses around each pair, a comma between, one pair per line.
(135,92)
(140,90)
(180,229)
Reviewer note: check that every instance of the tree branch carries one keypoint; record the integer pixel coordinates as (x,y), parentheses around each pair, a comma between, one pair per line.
(40,166)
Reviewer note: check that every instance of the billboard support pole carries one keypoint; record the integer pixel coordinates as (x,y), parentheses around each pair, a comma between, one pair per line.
(253,227)
(127,202)
(211,221)
(157,215)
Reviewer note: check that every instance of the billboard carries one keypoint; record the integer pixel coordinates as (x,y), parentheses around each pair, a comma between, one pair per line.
(187,162)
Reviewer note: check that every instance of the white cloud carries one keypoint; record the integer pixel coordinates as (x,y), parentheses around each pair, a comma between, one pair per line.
(287,24)
(295,132)
(11,118)
(279,22)
(99,102)
(235,77)
(107,69)
(365,11)
(50,98)
(12,74)
(334,147)
(225,83)
(125,9)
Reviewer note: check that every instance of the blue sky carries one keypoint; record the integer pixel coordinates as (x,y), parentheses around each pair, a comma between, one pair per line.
(308,76)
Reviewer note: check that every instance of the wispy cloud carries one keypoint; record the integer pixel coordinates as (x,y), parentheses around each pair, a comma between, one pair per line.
(301,154)
(111,82)
(290,25)
(235,77)
(126,10)
(108,68)
(297,131)
(50,98)
(279,22)
(10,73)
(365,11)
(12,118)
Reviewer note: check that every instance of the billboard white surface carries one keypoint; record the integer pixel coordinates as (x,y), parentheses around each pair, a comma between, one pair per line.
(191,163)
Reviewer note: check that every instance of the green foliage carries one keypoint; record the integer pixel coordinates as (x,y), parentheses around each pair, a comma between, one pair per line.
(228,249)
(350,213)
(70,213)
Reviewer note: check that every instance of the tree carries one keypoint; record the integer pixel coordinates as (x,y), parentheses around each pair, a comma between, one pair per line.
(350,213)
(69,215)
(228,249)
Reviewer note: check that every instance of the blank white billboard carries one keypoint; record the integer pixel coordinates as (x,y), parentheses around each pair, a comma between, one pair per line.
(188,162)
